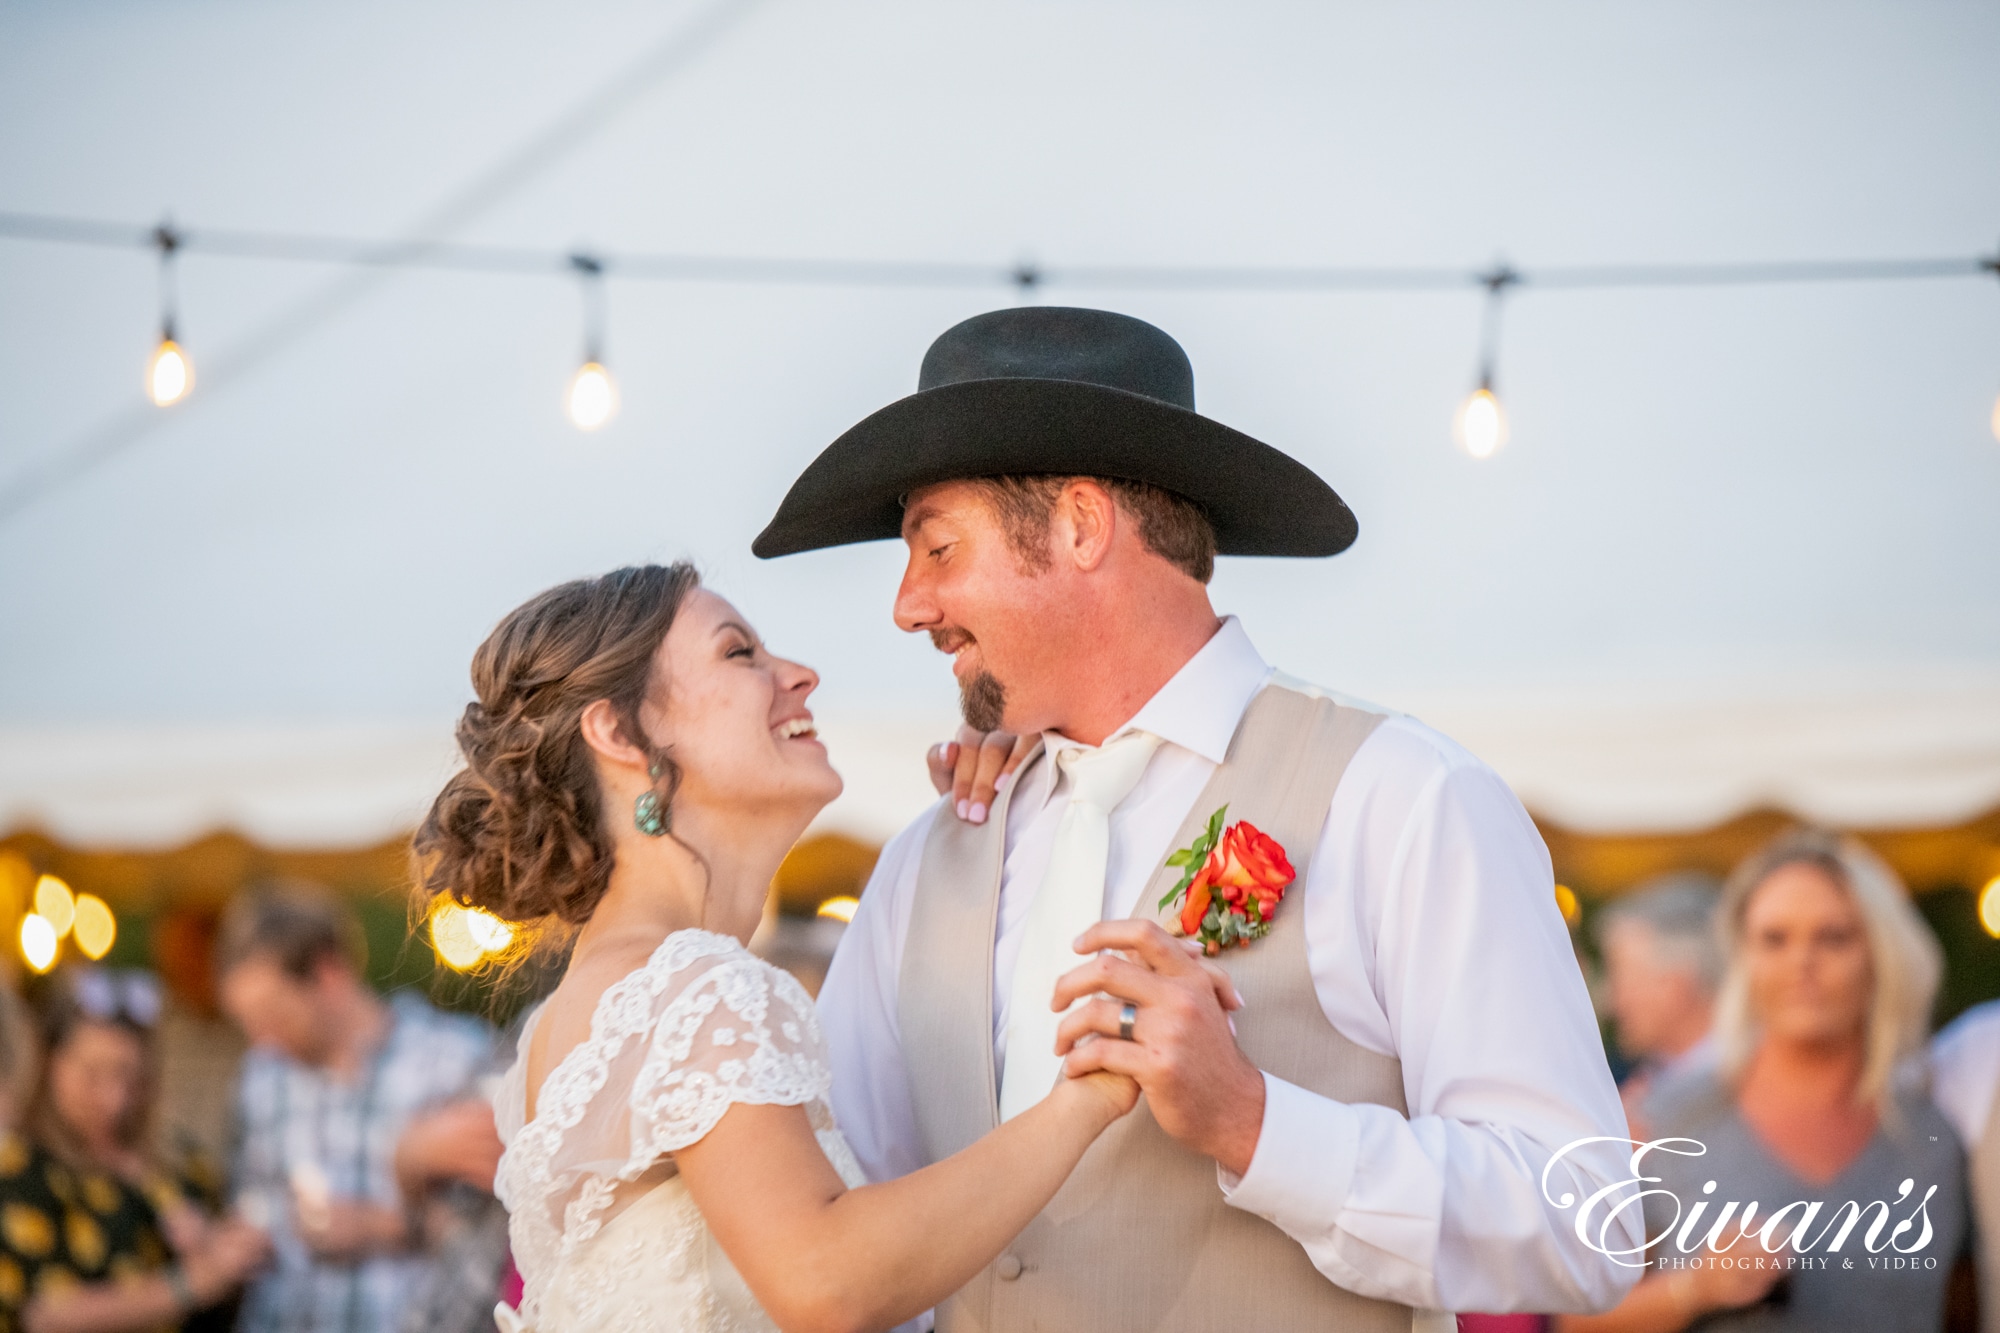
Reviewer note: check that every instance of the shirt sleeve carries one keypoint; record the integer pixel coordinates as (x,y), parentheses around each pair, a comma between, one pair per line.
(1434,936)
(871,1089)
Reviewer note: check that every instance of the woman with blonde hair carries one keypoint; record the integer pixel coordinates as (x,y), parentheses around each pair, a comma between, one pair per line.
(1816,1099)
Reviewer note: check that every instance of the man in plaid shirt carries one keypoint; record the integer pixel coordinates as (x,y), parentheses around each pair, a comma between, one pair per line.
(334,1075)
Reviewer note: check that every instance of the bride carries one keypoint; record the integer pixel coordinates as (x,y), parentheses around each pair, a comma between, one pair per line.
(637,765)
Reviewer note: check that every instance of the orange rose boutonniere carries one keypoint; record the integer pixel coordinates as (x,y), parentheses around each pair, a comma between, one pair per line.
(1232,881)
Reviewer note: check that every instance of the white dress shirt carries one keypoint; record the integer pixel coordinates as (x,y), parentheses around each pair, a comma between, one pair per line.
(1433,936)
(1965,1070)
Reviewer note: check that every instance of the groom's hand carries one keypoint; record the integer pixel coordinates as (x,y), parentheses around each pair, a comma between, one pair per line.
(1202,1089)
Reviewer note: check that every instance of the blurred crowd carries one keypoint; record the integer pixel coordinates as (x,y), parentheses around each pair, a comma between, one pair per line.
(265,1143)
(252,1137)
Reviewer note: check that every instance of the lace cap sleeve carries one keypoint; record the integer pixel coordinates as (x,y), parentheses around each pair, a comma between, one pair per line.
(732,1028)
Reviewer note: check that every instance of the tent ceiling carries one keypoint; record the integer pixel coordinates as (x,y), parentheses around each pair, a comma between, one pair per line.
(1740,550)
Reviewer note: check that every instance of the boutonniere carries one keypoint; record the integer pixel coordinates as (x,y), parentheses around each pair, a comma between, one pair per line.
(1232,881)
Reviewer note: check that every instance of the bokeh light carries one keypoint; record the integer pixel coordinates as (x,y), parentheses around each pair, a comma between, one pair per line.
(1567,904)
(452,938)
(840,908)
(95,928)
(38,942)
(55,904)
(1989,907)
(488,931)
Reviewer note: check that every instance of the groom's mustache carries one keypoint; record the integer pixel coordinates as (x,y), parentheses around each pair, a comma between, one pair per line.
(950,640)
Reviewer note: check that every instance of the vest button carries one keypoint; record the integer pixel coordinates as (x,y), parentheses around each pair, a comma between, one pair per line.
(1009,1267)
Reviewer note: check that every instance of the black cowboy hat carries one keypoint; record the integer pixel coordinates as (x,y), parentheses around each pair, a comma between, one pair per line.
(1053,389)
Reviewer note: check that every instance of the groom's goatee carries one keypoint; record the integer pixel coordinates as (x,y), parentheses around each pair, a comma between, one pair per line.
(983,701)
(981,698)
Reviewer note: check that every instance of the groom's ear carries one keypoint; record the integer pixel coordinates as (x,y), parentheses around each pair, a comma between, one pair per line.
(604,733)
(1086,521)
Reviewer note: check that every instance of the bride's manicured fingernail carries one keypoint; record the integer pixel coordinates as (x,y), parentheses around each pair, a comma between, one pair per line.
(978,815)
(1000,785)
(964,807)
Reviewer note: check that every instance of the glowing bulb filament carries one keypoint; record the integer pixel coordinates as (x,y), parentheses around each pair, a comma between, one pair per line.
(593,397)
(1481,427)
(169,375)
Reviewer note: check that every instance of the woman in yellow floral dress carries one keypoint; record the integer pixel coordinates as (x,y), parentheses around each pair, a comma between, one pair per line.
(93,1237)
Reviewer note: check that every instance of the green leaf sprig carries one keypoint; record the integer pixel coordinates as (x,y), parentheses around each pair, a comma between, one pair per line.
(1191,857)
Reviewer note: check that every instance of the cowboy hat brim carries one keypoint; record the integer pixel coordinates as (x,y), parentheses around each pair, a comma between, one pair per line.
(1260,501)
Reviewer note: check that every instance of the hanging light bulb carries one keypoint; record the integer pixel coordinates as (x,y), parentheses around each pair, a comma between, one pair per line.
(169,372)
(592,398)
(1481,425)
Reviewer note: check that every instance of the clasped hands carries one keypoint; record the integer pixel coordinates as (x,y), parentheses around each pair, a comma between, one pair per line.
(1201,1088)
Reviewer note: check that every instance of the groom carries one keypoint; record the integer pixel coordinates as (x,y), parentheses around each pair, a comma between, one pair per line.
(1364,1140)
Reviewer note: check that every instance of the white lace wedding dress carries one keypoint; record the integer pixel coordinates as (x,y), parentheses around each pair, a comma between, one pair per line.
(604,1232)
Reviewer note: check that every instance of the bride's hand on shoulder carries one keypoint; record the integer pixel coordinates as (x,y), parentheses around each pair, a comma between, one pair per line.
(972,768)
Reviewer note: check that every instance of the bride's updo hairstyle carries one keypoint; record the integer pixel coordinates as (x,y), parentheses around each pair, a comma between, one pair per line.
(521,831)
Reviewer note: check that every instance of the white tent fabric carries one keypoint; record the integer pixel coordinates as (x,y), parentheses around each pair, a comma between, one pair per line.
(1739,550)
(1882,759)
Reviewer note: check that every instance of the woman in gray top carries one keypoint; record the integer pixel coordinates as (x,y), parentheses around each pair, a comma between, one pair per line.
(1805,1185)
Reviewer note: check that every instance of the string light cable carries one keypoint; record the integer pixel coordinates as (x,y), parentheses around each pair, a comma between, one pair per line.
(1024,275)
(591,398)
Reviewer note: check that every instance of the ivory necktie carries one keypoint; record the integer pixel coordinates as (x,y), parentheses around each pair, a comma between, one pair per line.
(1069,902)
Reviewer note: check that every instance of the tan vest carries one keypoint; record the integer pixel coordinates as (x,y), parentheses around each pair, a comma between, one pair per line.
(1983,1166)
(1140,1237)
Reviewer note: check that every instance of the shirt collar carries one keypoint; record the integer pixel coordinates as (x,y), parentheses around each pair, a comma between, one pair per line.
(1199,706)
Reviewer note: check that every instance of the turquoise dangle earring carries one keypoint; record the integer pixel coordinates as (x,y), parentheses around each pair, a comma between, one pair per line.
(649,815)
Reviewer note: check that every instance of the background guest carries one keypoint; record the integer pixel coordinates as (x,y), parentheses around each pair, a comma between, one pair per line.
(19,1054)
(94,1236)
(1965,1063)
(199,1051)
(1826,997)
(445,1164)
(1662,965)
(333,1079)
